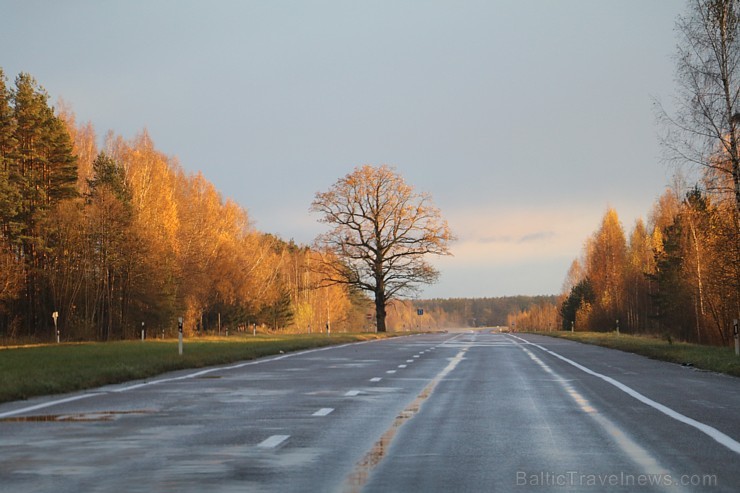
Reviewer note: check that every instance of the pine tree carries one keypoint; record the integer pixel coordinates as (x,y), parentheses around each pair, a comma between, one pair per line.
(107,172)
(581,296)
(9,198)
(671,298)
(42,171)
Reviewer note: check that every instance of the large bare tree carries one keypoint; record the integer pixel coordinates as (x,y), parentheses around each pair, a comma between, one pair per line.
(381,231)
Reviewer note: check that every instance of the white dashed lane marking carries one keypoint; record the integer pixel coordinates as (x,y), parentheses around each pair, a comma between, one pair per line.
(324,411)
(273,441)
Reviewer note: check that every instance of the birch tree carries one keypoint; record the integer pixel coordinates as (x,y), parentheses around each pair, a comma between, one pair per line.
(704,129)
(606,261)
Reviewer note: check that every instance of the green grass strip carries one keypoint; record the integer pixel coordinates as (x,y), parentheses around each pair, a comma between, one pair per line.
(58,368)
(712,358)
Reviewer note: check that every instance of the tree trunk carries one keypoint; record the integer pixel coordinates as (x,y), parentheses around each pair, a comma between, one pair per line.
(380,311)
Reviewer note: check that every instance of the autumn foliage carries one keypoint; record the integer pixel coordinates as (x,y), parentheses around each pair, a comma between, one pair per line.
(117,236)
(677,276)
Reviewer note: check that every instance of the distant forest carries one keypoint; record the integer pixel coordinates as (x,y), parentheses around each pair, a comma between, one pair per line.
(516,312)
(484,312)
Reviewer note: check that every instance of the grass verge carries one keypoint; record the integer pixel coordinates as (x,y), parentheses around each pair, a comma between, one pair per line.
(52,369)
(712,358)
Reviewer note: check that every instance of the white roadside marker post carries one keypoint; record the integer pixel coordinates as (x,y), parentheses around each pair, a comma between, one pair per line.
(55,316)
(179,335)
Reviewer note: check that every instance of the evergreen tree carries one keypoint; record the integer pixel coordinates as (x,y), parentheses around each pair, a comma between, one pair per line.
(671,299)
(581,295)
(40,171)
(45,166)
(61,164)
(279,314)
(9,199)
(107,172)
(110,216)
(7,123)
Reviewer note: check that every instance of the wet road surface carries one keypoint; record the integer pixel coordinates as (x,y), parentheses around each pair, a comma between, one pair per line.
(439,412)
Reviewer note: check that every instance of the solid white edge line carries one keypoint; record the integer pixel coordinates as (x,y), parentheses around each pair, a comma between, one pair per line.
(713,433)
(48,404)
(236,366)
(183,377)
(175,379)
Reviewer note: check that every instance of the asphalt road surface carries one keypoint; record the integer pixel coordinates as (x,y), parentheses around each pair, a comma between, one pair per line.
(467,411)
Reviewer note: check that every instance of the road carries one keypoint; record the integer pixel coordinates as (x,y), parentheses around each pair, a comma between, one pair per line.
(467,411)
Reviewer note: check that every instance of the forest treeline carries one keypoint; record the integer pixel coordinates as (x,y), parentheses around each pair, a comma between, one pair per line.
(676,276)
(115,237)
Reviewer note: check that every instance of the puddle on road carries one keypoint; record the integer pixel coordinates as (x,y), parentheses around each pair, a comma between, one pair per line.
(98,416)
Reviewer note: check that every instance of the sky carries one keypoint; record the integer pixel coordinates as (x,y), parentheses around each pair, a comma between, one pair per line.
(525,121)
